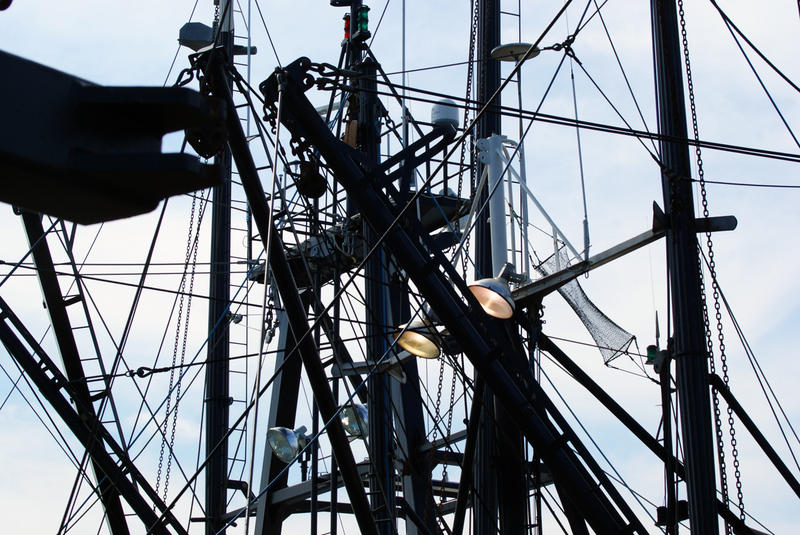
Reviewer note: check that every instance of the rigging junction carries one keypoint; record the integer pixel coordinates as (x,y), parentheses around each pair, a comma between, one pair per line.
(355,215)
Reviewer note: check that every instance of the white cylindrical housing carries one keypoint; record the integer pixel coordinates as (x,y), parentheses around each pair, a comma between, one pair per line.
(497,203)
(445,112)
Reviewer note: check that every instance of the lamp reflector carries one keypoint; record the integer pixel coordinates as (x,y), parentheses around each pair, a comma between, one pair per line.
(285,443)
(418,338)
(355,419)
(495,297)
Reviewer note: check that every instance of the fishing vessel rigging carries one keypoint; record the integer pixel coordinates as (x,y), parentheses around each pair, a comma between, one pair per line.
(396,335)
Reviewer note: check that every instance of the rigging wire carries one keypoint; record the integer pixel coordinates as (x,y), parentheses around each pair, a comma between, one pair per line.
(269,36)
(28,253)
(178,49)
(761,83)
(761,377)
(62,443)
(728,20)
(594,126)
(597,447)
(586,241)
(622,69)
(377,26)
(748,184)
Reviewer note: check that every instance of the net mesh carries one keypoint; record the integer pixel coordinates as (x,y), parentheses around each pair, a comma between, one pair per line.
(611,339)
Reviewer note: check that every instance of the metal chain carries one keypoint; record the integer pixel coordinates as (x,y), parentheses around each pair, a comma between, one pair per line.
(216,16)
(435,432)
(470,72)
(711,263)
(723,475)
(436,417)
(183,352)
(449,425)
(270,325)
(174,360)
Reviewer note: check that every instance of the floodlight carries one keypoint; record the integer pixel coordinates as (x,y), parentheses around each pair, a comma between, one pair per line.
(285,443)
(419,338)
(355,419)
(494,295)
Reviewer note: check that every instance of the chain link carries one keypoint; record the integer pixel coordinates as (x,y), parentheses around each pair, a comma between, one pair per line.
(270,325)
(193,256)
(436,416)
(216,17)
(714,285)
(449,425)
(470,73)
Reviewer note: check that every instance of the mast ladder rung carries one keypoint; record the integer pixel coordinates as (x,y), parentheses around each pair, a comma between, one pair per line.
(72,299)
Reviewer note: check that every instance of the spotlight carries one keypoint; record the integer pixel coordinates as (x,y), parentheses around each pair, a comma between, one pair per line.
(355,419)
(494,295)
(285,443)
(419,338)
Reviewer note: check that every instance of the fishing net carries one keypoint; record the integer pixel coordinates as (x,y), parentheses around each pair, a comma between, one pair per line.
(611,339)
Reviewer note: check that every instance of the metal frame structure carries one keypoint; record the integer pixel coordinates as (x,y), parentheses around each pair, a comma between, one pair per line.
(510,410)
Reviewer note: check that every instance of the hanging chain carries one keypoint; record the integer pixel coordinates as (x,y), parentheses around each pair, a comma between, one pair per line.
(449,425)
(470,73)
(216,17)
(175,358)
(183,349)
(723,475)
(436,416)
(270,325)
(712,269)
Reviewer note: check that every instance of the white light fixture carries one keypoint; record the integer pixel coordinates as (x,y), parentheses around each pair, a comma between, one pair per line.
(514,52)
(494,295)
(419,338)
(285,443)
(355,419)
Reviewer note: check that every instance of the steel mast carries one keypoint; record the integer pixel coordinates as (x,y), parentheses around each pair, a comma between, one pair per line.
(217,395)
(691,358)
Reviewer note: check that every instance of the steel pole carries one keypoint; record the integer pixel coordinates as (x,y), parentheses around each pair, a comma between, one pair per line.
(691,358)
(217,396)
(488,80)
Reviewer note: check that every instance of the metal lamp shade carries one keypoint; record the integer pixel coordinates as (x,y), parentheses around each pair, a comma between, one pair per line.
(355,419)
(419,339)
(284,442)
(494,295)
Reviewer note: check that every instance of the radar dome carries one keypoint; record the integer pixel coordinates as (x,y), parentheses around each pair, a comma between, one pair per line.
(445,112)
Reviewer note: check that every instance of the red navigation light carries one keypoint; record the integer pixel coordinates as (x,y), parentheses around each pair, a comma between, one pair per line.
(347,26)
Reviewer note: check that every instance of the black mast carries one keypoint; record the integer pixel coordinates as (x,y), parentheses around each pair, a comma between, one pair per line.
(682,261)
(499,452)
(488,80)
(380,441)
(217,396)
